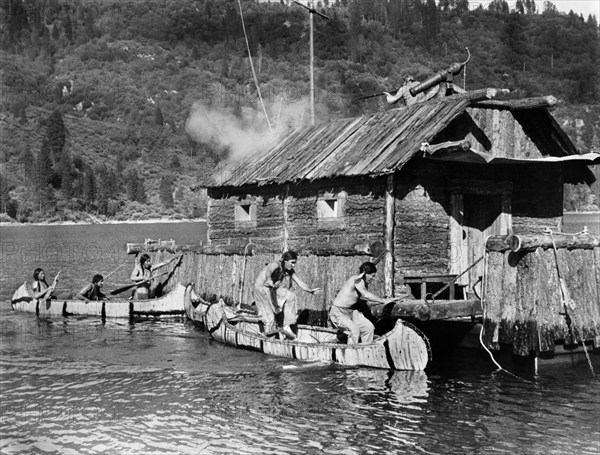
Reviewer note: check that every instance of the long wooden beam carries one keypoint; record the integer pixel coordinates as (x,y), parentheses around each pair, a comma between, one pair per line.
(524,243)
(516,105)
(390,214)
(418,309)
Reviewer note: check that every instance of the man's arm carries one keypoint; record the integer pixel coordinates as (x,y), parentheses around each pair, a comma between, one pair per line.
(85,290)
(304,286)
(47,293)
(369,296)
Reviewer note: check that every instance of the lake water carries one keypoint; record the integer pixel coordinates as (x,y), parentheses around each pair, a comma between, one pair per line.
(77,386)
(576,221)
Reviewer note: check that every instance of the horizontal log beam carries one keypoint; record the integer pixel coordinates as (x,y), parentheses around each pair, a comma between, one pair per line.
(524,243)
(418,309)
(336,248)
(517,105)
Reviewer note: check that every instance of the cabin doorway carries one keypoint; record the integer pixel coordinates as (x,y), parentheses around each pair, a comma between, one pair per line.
(476,215)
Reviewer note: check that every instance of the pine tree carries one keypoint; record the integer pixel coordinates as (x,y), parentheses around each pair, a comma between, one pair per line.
(56,135)
(68,26)
(158,116)
(89,187)
(166,191)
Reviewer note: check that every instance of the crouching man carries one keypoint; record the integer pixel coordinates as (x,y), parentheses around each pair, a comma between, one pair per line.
(342,313)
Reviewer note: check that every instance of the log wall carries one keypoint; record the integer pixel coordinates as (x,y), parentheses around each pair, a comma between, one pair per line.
(363,221)
(301,230)
(223,231)
(523,304)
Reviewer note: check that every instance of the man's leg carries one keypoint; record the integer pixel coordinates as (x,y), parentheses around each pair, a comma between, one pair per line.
(290,306)
(342,321)
(287,300)
(367,329)
(262,298)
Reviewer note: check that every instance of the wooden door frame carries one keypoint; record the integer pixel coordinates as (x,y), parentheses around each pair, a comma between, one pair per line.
(458,188)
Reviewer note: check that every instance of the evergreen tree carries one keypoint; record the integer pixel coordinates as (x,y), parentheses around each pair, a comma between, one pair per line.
(530,7)
(520,7)
(135,187)
(67,176)
(3,192)
(166,191)
(56,135)
(89,187)
(68,26)
(158,116)
(43,174)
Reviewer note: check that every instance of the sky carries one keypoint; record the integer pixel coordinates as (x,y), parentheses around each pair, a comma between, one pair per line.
(585,7)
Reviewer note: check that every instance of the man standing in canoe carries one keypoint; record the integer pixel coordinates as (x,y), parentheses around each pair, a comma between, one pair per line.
(342,313)
(271,297)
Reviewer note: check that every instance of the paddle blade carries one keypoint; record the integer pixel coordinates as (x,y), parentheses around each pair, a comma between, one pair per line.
(377,248)
(122,289)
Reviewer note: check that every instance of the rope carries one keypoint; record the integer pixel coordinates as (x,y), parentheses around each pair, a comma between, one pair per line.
(483,306)
(121,265)
(243,275)
(252,67)
(568,302)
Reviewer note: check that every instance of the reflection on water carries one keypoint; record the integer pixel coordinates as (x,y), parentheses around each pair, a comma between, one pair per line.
(73,386)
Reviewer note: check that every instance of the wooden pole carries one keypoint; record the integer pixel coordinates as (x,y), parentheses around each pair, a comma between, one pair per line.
(390,211)
(285,234)
(524,243)
(312,68)
(418,309)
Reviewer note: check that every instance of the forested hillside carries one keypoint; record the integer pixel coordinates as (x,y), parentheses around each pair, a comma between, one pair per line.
(112,110)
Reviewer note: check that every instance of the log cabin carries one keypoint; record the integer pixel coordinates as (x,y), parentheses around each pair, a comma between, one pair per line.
(430,184)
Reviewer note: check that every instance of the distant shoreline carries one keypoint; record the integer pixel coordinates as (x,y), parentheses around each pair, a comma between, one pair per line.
(85,223)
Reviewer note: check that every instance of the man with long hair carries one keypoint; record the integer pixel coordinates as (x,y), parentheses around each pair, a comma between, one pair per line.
(41,289)
(272,293)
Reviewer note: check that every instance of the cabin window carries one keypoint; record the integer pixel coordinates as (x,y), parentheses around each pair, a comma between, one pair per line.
(330,210)
(245,214)
(327,208)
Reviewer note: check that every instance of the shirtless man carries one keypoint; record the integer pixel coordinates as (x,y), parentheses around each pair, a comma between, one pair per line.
(271,298)
(342,313)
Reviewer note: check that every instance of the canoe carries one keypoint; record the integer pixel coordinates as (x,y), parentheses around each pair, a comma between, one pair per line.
(167,306)
(402,348)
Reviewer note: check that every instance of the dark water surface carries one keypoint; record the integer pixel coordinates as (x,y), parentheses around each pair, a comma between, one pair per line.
(77,386)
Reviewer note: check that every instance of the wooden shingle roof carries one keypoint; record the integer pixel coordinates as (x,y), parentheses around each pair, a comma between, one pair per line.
(370,145)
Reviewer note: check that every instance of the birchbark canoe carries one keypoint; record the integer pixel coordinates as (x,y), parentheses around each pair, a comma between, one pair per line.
(168,306)
(402,348)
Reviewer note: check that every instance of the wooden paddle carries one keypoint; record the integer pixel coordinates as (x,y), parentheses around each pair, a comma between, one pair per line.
(130,286)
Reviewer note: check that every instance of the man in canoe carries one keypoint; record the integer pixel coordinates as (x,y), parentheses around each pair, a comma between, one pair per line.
(92,291)
(40,287)
(342,313)
(142,274)
(272,296)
